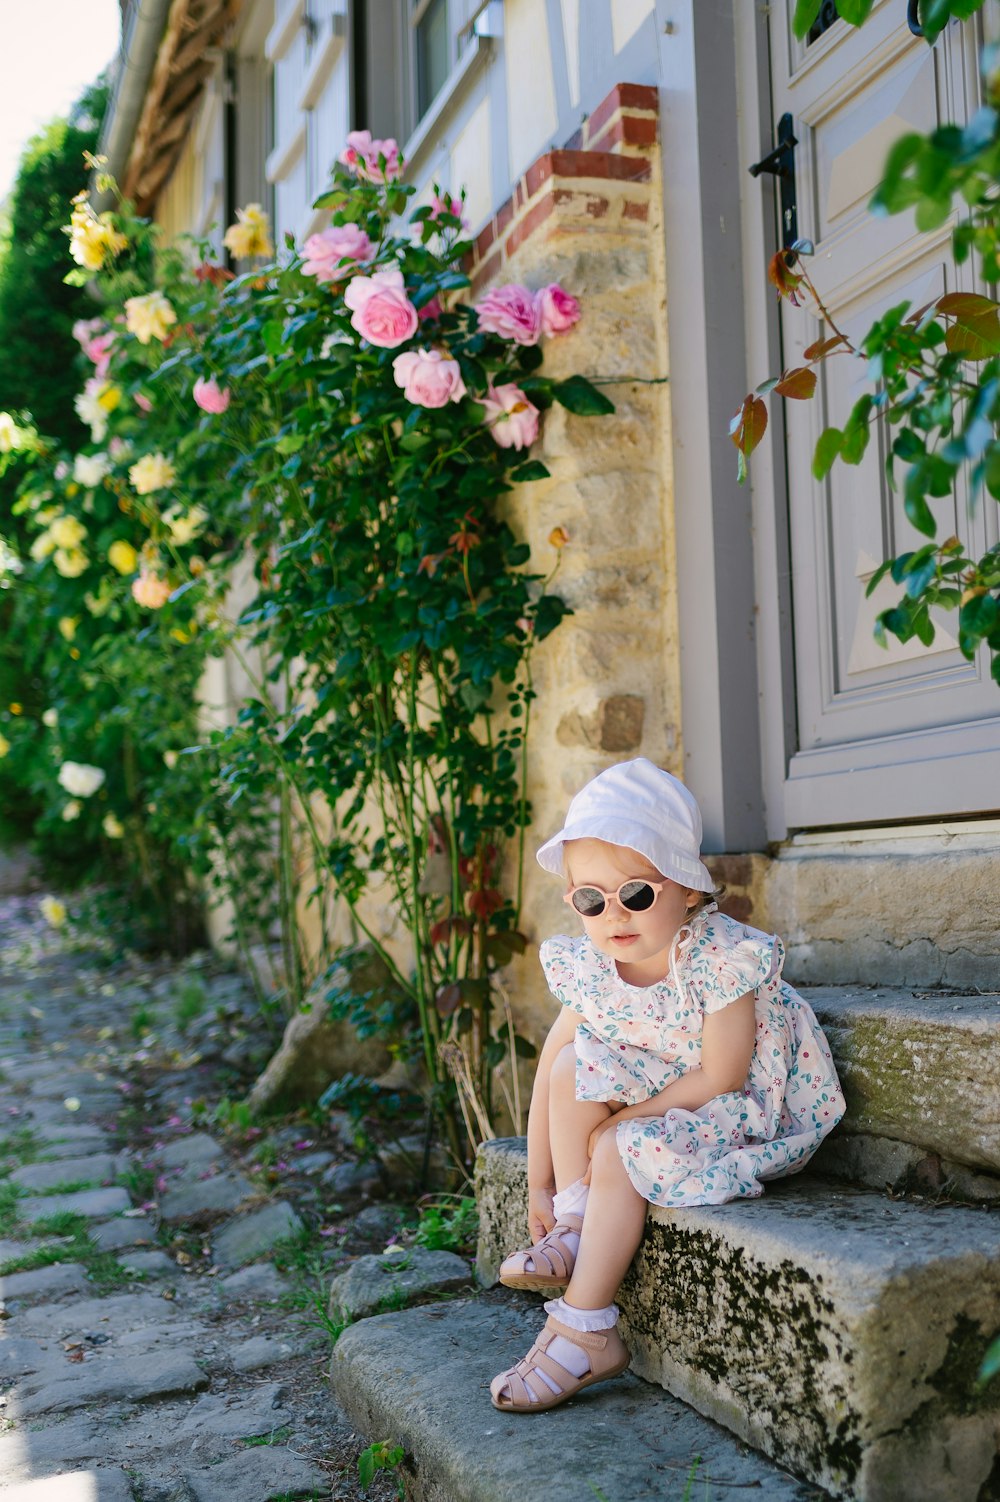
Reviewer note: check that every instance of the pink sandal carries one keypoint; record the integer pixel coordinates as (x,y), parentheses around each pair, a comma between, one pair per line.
(606,1352)
(548,1265)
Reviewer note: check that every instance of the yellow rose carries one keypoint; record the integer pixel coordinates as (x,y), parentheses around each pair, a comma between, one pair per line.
(70,562)
(16,708)
(43,545)
(152,472)
(67,627)
(53,911)
(179,634)
(113,828)
(9,433)
(123,558)
(250,236)
(4,746)
(92,240)
(67,532)
(149,317)
(184,526)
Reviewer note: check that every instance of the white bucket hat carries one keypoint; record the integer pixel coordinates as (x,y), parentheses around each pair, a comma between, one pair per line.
(638,805)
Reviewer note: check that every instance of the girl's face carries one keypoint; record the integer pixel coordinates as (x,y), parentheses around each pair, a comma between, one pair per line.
(638,942)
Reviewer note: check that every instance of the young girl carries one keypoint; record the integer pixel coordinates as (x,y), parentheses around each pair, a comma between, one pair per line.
(682,1069)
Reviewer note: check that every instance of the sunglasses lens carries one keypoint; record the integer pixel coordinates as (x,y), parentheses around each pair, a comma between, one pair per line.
(588,901)
(637,896)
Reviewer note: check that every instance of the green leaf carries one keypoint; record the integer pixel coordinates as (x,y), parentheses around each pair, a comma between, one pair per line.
(579,396)
(827,449)
(272,336)
(533,470)
(806,12)
(877,577)
(914,503)
(855,12)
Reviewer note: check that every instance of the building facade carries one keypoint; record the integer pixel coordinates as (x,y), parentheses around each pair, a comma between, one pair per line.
(850,792)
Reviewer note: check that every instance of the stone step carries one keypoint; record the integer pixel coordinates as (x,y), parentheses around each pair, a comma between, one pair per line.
(835,1329)
(420,1378)
(921,1073)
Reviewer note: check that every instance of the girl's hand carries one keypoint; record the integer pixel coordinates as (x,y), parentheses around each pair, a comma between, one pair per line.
(606,1125)
(541,1217)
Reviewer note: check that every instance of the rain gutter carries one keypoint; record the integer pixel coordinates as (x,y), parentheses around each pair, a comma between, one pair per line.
(140,44)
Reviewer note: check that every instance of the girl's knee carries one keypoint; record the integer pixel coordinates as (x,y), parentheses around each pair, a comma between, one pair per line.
(607,1159)
(563,1074)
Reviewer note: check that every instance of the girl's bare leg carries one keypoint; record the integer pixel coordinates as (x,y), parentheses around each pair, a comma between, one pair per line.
(612,1230)
(571,1121)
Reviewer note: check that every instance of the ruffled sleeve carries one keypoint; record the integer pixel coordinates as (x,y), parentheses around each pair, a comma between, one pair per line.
(559,964)
(728,959)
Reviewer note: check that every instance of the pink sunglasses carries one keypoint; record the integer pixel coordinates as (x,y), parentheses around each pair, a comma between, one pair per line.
(635,896)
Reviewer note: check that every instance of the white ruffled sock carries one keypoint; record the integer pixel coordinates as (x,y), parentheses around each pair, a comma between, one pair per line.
(573,1357)
(572,1200)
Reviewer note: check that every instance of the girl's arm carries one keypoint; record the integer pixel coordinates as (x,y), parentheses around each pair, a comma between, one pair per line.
(541,1180)
(727,1042)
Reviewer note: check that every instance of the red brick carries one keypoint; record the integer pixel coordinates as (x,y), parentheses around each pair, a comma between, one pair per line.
(539,172)
(485,238)
(519,197)
(632,210)
(502,218)
(640,130)
(529,222)
(624,96)
(595,164)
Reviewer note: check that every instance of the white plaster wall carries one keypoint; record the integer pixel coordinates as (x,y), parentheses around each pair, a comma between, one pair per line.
(531,99)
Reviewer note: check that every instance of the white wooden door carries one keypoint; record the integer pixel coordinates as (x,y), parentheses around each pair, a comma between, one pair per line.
(908,732)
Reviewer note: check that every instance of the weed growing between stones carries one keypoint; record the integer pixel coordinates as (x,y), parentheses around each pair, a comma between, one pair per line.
(383,1455)
(16,1149)
(448,1223)
(192,1000)
(9,1195)
(274,1437)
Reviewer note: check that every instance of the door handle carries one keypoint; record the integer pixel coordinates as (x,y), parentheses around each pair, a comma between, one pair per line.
(780,163)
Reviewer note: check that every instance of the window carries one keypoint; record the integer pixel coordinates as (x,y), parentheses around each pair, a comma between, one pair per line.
(439,29)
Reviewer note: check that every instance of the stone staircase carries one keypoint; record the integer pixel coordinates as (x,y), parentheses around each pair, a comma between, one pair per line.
(833,1325)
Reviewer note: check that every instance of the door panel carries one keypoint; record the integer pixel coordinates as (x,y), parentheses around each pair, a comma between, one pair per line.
(859,706)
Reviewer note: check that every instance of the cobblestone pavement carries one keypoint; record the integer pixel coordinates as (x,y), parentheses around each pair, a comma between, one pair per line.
(157,1342)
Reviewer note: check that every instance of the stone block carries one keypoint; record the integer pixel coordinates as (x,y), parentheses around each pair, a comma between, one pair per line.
(128,1230)
(422,1378)
(200,1201)
(317,1048)
(149,1264)
(260,1281)
(261,1351)
(92,1170)
(252,1235)
(836,1330)
(104,1484)
(197,1150)
(918,1069)
(88,1202)
(130,1379)
(257,1475)
(61,1277)
(395,1279)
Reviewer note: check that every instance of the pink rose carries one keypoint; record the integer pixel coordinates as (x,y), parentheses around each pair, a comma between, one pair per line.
(511,418)
(96,341)
(432,309)
(511,312)
(143,402)
(210,396)
(326,251)
(558,310)
(428,377)
(361,155)
(381,311)
(447,205)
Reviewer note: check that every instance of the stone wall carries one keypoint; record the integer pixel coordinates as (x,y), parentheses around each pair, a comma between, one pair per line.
(608,683)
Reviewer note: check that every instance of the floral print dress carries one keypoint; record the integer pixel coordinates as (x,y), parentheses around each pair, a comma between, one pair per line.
(633,1041)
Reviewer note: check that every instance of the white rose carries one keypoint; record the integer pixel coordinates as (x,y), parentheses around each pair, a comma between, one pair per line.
(50,717)
(89,469)
(79,778)
(73,810)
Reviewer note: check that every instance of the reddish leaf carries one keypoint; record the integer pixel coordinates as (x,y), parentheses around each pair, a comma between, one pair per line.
(448,999)
(823,347)
(799,383)
(975,338)
(748,426)
(781,273)
(484,903)
(966,305)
